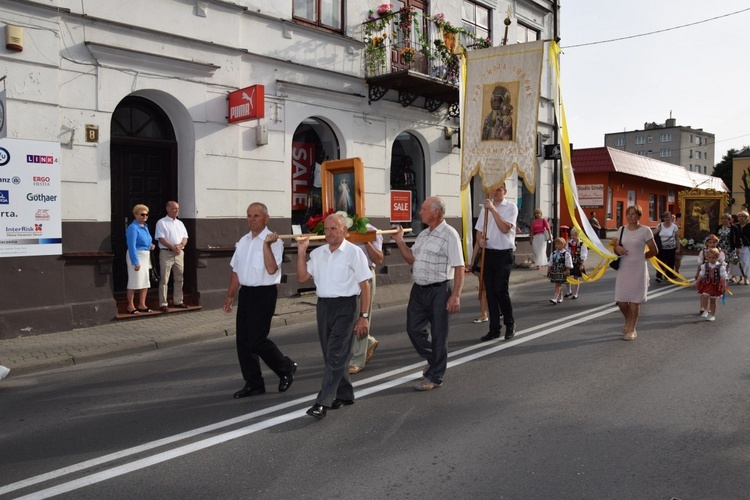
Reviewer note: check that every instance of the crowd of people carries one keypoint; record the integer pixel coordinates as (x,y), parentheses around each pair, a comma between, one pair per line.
(345,281)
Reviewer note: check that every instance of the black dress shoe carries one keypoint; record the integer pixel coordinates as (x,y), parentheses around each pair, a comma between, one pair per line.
(317,411)
(249,391)
(286,381)
(491,336)
(338,403)
(510,331)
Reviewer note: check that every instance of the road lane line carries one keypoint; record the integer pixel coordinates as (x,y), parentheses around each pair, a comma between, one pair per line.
(486,349)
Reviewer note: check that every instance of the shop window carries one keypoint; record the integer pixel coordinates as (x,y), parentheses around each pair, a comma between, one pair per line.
(312,144)
(408,174)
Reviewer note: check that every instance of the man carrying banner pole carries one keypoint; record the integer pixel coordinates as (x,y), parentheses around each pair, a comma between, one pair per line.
(497,238)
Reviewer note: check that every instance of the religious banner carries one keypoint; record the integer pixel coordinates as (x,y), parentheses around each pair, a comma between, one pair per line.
(501,107)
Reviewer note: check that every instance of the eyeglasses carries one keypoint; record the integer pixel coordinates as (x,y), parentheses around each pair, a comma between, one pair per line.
(144,215)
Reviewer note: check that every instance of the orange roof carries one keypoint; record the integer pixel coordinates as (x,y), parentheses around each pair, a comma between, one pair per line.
(605,159)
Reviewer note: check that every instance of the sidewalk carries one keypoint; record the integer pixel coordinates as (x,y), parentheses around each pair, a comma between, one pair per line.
(118,338)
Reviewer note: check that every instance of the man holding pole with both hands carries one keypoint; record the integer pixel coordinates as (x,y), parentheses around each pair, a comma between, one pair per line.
(496,235)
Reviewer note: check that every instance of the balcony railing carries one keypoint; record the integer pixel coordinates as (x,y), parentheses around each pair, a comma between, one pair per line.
(410,40)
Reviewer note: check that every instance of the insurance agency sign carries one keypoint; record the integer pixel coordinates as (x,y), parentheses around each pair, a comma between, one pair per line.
(30,209)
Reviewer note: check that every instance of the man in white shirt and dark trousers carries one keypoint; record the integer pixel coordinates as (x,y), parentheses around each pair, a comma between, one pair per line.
(255,273)
(499,241)
(436,258)
(341,277)
(172,237)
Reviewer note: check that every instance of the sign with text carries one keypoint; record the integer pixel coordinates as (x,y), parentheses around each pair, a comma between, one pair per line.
(591,195)
(30,208)
(246,104)
(302,161)
(400,206)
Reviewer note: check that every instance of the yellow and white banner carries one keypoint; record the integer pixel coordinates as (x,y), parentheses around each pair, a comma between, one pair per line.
(501,108)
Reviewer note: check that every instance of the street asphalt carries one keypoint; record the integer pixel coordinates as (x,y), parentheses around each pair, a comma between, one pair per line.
(35,353)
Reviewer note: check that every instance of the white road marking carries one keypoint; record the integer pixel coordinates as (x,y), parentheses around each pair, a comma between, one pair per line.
(485,349)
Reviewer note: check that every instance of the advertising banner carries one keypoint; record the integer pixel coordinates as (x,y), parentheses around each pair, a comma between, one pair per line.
(30,208)
(400,206)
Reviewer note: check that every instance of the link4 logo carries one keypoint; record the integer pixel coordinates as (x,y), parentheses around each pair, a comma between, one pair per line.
(43,159)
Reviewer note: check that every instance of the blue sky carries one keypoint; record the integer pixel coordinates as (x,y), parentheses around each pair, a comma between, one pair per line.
(698,73)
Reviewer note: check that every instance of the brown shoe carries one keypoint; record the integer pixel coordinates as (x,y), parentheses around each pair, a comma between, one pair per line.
(427,385)
(371,351)
(355,369)
(164,309)
(182,306)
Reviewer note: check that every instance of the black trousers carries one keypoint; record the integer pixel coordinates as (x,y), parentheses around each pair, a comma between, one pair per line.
(496,275)
(255,308)
(668,257)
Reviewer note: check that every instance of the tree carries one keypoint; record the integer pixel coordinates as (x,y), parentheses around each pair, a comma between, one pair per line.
(723,169)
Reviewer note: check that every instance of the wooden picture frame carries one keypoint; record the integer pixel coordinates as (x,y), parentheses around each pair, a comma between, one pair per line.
(701,212)
(343,186)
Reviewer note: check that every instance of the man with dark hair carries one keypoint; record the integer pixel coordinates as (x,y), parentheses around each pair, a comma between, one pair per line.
(499,241)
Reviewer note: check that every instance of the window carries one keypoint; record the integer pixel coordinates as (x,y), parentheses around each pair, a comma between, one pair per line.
(526,33)
(705,141)
(698,154)
(652,207)
(325,13)
(664,153)
(476,20)
(640,140)
(690,154)
(698,141)
(665,138)
(650,154)
(620,142)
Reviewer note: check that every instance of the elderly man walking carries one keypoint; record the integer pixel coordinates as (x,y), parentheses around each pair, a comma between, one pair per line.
(341,276)
(437,258)
(255,273)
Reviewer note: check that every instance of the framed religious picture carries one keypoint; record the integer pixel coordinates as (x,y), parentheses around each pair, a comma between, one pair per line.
(701,212)
(343,186)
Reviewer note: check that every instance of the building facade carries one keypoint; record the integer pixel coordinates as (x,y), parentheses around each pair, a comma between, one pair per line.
(692,149)
(610,180)
(136,94)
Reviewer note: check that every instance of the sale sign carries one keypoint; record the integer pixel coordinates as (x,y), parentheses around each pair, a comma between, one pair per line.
(302,161)
(400,206)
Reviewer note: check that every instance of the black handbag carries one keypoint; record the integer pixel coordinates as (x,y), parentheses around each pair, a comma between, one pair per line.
(615,264)
(153,273)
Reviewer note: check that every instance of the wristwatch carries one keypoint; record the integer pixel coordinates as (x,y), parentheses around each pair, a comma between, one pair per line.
(364,315)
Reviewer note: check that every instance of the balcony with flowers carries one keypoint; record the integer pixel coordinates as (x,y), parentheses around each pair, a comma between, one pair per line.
(415,54)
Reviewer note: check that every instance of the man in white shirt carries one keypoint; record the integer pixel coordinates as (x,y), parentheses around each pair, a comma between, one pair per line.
(436,258)
(341,274)
(499,241)
(172,237)
(255,273)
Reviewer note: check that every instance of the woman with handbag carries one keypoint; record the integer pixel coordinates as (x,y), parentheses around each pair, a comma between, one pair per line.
(140,243)
(634,246)
(540,236)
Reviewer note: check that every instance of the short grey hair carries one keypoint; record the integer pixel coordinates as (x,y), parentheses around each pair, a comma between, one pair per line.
(340,217)
(438,204)
(262,206)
